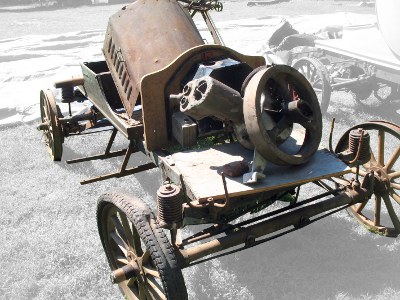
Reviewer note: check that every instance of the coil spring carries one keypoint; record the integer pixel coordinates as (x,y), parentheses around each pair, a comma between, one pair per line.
(67,93)
(354,141)
(169,205)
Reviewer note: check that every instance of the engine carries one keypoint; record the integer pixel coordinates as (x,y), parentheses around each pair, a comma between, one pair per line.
(189,90)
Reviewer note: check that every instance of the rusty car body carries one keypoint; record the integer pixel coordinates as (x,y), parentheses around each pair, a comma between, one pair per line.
(230,136)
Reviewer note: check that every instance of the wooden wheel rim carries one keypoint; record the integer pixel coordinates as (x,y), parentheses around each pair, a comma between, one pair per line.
(126,246)
(53,132)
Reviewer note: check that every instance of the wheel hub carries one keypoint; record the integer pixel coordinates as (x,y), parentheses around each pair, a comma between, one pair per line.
(132,269)
(382,181)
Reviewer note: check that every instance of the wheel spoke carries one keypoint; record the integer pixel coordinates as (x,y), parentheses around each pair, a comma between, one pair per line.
(145,257)
(394,175)
(392,160)
(319,80)
(151,271)
(392,213)
(361,172)
(132,240)
(120,243)
(131,281)
(131,292)
(136,241)
(361,207)
(373,159)
(280,127)
(120,230)
(377,211)
(302,70)
(122,259)
(381,147)
(313,74)
(148,295)
(155,288)
(142,292)
(395,196)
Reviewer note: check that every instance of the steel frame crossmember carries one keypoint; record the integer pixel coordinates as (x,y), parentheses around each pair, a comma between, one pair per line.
(123,171)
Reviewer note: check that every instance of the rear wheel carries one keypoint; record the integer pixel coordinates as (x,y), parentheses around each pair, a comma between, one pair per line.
(381,215)
(138,251)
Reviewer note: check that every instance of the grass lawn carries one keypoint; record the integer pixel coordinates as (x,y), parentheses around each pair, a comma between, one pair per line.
(50,247)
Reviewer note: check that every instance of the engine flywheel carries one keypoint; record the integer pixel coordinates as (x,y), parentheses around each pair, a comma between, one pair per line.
(279,103)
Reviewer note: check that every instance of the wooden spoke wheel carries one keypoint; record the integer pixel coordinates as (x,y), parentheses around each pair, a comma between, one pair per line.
(317,74)
(279,101)
(51,126)
(381,213)
(140,256)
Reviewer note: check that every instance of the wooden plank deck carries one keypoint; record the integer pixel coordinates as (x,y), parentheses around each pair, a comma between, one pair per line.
(199,169)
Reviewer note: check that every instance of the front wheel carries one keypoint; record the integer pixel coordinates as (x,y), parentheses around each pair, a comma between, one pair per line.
(53,132)
(138,251)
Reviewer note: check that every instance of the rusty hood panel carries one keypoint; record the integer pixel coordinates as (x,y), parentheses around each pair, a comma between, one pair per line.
(144,37)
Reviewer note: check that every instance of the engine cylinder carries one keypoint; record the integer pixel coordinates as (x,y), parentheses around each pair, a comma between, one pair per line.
(169,205)
(354,142)
(206,97)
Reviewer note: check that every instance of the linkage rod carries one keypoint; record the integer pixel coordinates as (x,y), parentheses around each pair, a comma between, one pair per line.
(271,237)
(243,235)
(213,231)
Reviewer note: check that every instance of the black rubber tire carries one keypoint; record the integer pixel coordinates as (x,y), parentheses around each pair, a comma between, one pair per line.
(321,72)
(153,237)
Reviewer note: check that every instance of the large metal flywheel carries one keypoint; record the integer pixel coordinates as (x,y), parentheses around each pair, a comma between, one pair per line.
(276,100)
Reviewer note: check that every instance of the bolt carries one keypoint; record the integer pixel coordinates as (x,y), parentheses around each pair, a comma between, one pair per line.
(250,241)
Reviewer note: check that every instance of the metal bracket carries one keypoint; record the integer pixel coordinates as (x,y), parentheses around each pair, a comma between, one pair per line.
(123,170)
(257,168)
(108,154)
